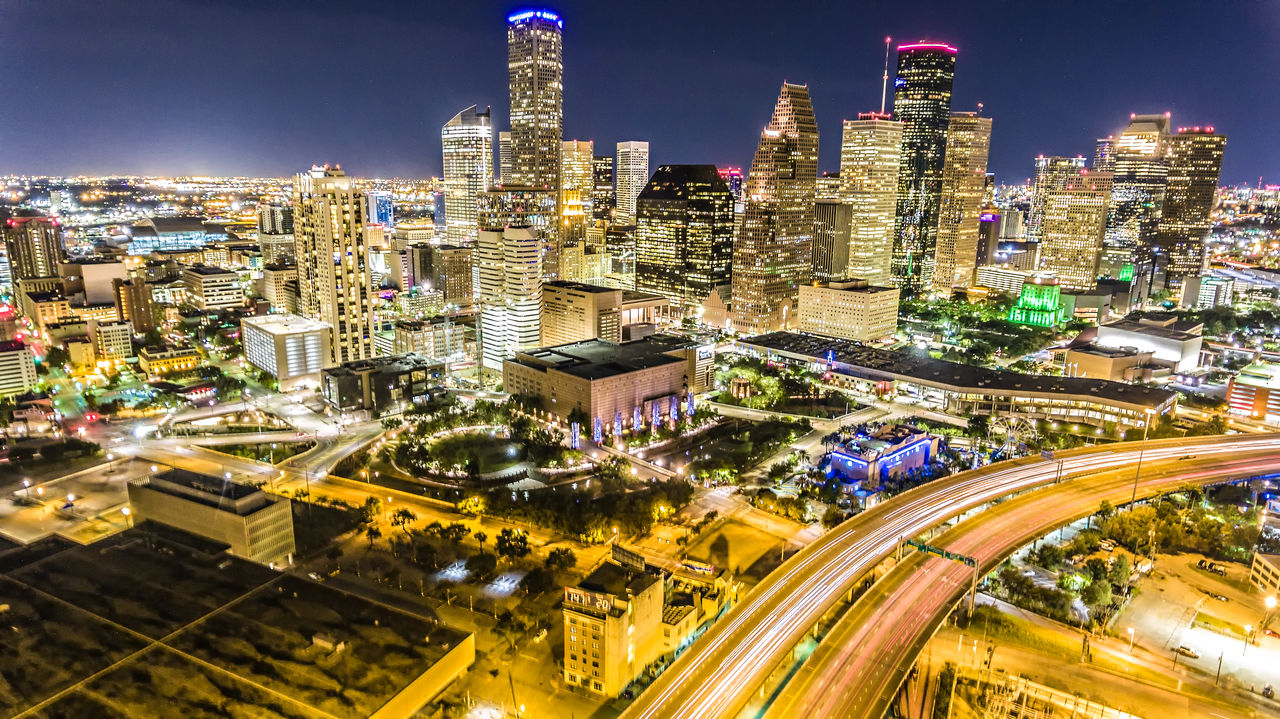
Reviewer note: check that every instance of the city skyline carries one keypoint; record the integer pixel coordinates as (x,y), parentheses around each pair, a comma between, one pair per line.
(205,118)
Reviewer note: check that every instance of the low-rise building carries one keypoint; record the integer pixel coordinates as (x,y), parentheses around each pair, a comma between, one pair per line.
(612,627)
(966,390)
(279,287)
(46,308)
(613,386)
(112,341)
(441,337)
(290,348)
(380,386)
(1174,343)
(852,309)
(1255,392)
(1118,364)
(17,368)
(1264,573)
(1202,292)
(256,525)
(576,312)
(160,361)
(890,451)
(212,288)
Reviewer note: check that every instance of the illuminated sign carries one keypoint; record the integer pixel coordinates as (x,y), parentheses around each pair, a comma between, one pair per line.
(588,600)
(540,14)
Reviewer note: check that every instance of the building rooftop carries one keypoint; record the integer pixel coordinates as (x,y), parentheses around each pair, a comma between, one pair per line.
(861,359)
(12,346)
(394,363)
(1108,352)
(223,494)
(206,270)
(1260,374)
(616,580)
(579,287)
(854,284)
(597,359)
(1163,330)
(678,182)
(284,324)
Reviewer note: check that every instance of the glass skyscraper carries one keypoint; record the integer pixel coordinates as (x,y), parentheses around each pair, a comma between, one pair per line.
(684,234)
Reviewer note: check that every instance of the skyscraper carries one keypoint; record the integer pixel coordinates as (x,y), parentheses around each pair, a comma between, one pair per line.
(525,207)
(467,142)
(771,254)
(870,156)
(602,198)
(632,172)
(1137,194)
(535,70)
(504,157)
(1051,173)
(1104,154)
(577,185)
(964,185)
(34,245)
(330,243)
(1073,221)
(830,239)
(509,271)
(1195,164)
(922,103)
(684,234)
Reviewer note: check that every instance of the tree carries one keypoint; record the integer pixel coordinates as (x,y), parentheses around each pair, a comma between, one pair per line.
(402,517)
(537,581)
(56,356)
(832,517)
(480,538)
(53,452)
(509,627)
(561,558)
(1097,594)
(482,565)
(1120,571)
(454,533)
(1106,510)
(1097,568)
(512,544)
(373,534)
(369,510)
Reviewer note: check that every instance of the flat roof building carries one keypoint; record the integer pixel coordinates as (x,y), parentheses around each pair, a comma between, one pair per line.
(17,368)
(1170,341)
(212,288)
(380,386)
(256,525)
(291,348)
(852,309)
(612,627)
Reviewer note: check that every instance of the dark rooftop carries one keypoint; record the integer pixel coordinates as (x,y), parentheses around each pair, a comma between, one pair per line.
(616,580)
(597,359)
(394,363)
(677,182)
(860,360)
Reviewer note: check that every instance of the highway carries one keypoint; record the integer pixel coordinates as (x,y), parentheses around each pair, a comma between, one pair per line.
(725,669)
(858,667)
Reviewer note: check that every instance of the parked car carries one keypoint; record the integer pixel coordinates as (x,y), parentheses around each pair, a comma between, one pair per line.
(1187,651)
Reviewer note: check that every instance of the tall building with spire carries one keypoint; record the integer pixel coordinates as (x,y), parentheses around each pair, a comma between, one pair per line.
(535,72)
(632,173)
(1195,165)
(964,185)
(684,234)
(1141,171)
(771,253)
(467,142)
(870,157)
(922,103)
(332,250)
(1051,174)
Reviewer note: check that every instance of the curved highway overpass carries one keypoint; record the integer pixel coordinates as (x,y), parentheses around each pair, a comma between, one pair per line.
(861,662)
(725,669)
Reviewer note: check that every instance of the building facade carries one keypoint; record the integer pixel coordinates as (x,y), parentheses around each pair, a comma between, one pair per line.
(381,386)
(964,175)
(1072,226)
(1195,165)
(632,173)
(467,141)
(870,157)
(535,73)
(1141,172)
(34,246)
(291,348)
(922,103)
(1051,174)
(771,253)
(509,293)
(684,234)
(212,288)
(17,368)
(852,309)
(576,312)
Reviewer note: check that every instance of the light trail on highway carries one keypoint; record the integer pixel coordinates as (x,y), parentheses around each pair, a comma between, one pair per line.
(864,658)
(720,673)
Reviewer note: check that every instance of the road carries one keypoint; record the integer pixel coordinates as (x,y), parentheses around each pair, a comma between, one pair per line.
(856,670)
(723,671)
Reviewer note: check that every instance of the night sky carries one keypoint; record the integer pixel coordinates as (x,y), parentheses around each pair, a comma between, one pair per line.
(268,87)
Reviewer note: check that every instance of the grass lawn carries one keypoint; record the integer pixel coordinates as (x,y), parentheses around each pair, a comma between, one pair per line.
(826,407)
(1221,626)
(490,454)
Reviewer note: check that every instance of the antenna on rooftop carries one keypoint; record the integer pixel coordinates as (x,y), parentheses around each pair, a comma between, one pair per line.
(884,83)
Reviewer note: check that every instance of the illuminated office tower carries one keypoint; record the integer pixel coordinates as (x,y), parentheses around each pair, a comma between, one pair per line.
(1195,164)
(732,177)
(526,207)
(509,293)
(964,184)
(1104,154)
(34,245)
(827,187)
(684,234)
(830,253)
(467,142)
(602,198)
(632,172)
(1051,173)
(1137,195)
(577,184)
(870,155)
(535,71)
(1073,222)
(330,244)
(504,157)
(771,253)
(922,103)
(380,209)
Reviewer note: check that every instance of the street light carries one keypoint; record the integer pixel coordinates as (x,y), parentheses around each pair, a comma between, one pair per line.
(1146,425)
(1131,639)
(125,511)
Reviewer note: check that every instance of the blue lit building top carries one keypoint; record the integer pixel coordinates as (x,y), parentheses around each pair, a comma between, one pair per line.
(541,13)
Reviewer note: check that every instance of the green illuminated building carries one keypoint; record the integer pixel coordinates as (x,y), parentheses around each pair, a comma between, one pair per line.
(1040,303)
